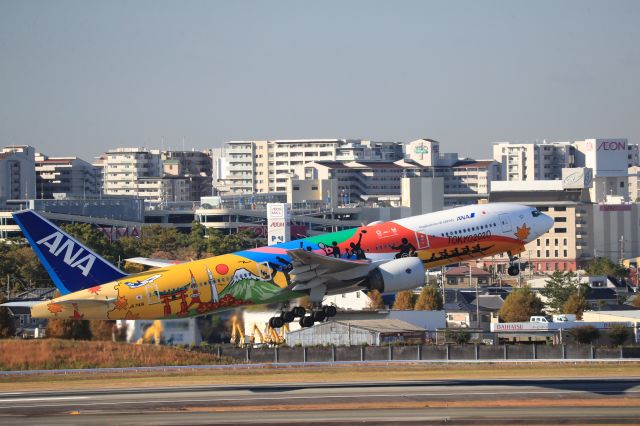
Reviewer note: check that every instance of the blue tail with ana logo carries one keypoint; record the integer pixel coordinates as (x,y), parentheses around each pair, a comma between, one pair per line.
(70,264)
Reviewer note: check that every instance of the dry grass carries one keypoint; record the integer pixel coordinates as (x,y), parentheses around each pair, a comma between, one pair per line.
(52,354)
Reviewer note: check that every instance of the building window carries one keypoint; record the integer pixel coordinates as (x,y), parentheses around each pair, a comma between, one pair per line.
(565,253)
(560,230)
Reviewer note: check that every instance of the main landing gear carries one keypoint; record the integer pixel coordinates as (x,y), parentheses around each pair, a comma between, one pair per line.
(317,315)
(514,268)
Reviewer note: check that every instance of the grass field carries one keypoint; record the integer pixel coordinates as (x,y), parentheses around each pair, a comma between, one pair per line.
(49,354)
(315,374)
(62,354)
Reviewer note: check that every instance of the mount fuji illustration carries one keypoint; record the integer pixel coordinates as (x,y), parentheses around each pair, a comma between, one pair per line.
(246,285)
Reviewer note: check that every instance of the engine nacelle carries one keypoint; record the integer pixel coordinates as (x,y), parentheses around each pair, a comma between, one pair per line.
(397,275)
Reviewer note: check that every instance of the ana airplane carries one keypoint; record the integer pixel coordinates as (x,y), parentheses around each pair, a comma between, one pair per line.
(387,256)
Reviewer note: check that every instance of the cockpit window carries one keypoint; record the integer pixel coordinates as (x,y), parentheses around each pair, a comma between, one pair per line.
(535,213)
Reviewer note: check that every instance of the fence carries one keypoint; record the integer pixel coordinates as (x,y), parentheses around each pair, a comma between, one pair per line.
(424,353)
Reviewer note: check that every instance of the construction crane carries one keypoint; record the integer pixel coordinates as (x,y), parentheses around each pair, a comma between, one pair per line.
(153,332)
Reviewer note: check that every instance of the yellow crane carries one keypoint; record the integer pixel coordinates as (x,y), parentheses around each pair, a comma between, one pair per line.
(153,332)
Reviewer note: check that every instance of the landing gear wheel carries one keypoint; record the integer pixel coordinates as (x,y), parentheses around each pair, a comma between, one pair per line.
(513,270)
(287,316)
(306,321)
(319,316)
(299,311)
(276,322)
(330,311)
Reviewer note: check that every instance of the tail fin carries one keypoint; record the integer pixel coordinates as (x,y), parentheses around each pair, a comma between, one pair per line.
(70,264)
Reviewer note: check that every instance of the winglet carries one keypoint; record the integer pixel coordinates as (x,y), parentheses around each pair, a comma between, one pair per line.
(70,264)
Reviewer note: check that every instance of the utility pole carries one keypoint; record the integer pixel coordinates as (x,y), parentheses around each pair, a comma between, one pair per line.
(477,298)
(442,277)
(621,249)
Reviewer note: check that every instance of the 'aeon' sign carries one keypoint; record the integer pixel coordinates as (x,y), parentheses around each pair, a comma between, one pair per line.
(612,145)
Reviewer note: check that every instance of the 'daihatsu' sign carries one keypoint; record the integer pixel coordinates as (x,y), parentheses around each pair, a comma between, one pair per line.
(278,223)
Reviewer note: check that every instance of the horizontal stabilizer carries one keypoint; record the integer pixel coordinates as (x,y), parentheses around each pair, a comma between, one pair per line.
(21,304)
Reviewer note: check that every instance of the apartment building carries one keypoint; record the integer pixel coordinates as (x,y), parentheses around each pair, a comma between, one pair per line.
(267,166)
(17,173)
(533,161)
(465,182)
(157,176)
(66,177)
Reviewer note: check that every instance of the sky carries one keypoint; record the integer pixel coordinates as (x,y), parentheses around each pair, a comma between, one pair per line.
(80,77)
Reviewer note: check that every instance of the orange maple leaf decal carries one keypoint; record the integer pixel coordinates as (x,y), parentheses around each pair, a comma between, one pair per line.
(522,232)
(54,308)
(95,290)
(121,303)
(131,316)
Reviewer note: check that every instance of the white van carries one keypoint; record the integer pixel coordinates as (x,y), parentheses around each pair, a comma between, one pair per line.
(538,319)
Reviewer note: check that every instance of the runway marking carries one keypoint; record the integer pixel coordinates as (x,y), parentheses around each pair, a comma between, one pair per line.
(47,398)
(281,397)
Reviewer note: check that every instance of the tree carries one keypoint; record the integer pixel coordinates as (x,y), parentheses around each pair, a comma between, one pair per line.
(520,305)
(618,334)
(375,300)
(430,299)
(575,304)
(7,325)
(585,334)
(604,266)
(102,329)
(68,329)
(559,287)
(404,300)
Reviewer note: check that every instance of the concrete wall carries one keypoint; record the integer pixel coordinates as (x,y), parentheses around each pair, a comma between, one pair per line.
(423,353)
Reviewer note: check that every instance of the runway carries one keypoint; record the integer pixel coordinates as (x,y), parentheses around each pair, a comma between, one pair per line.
(580,401)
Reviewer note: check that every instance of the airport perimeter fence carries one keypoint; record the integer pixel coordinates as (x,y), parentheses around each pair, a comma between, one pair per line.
(284,354)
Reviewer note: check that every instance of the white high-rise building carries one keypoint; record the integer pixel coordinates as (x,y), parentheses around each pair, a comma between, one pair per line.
(157,176)
(68,177)
(267,166)
(17,173)
(533,161)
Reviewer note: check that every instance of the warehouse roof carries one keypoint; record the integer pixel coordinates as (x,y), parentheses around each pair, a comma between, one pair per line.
(382,325)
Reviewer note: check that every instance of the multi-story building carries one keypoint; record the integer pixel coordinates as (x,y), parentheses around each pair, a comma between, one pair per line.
(267,166)
(529,161)
(157,176)
(17,173)
(67,177)
(132,172)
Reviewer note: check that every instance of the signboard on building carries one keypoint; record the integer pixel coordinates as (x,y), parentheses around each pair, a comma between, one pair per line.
(278,223)
(607,157)
(577,178)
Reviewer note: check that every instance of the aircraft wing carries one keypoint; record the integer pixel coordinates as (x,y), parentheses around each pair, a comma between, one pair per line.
(312,269)
(156,263)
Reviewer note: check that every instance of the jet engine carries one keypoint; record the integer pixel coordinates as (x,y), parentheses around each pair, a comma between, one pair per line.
(396,275)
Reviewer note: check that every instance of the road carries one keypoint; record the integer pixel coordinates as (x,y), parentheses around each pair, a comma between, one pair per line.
(580,401)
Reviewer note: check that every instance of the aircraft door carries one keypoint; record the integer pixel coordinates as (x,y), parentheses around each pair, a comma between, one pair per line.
(423,240)
(153,294)
(505,222)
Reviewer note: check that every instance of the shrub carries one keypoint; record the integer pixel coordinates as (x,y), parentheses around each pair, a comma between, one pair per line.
(585,334)
(459,336)
(618,334)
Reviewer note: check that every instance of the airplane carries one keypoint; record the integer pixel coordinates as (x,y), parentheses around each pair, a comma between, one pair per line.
(386,256)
